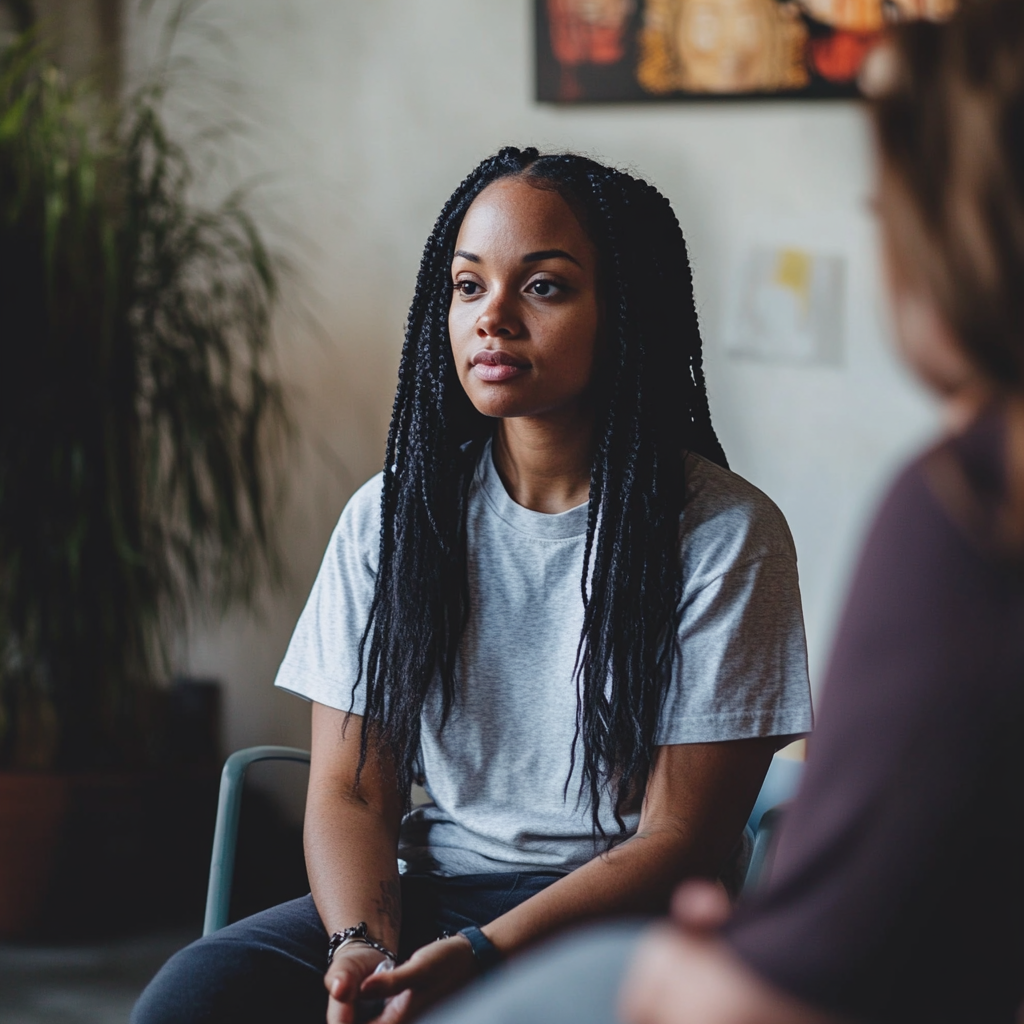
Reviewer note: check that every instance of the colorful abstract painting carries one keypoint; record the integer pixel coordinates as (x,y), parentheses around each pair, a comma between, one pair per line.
(606,50)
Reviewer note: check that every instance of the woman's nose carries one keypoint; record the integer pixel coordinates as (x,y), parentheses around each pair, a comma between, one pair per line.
(499,318)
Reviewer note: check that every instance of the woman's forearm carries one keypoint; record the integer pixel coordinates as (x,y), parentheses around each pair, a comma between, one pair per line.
(351,860)
(636,877)
(351,833)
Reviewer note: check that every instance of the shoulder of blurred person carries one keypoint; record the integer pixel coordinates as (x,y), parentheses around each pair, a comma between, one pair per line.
(886,898)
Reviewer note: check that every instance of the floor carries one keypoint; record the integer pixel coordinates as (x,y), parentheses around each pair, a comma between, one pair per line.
(96,984)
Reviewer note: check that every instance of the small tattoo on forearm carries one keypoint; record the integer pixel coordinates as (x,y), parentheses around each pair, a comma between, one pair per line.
(389,906)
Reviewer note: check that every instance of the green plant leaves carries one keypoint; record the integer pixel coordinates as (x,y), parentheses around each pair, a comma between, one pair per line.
(139,409)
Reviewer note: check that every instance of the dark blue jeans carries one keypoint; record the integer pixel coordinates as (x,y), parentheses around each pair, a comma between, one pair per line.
(269,968)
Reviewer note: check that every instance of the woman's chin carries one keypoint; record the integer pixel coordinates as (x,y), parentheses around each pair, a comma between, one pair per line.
(499,402)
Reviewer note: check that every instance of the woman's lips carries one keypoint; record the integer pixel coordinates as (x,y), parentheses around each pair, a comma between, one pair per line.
(494,366)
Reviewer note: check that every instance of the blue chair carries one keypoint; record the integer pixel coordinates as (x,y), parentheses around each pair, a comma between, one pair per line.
(779,786)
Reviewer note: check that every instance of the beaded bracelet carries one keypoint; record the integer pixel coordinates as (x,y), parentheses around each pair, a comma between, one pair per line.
(356,933)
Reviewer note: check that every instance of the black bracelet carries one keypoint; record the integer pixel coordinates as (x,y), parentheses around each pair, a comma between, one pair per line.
(485,952)
(357,932)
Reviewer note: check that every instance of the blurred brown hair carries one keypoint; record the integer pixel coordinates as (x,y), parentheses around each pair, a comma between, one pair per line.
(949,119)
(948,107)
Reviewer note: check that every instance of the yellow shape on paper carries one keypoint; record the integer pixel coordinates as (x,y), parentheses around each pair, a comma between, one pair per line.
(793,269)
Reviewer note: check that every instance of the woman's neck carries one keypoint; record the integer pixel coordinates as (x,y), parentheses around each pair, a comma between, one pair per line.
(544,462)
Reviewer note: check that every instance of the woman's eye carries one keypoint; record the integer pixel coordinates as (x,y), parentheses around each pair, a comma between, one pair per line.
(543,288)
(466,287)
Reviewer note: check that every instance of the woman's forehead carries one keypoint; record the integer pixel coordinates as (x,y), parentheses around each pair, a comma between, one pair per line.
(512,212)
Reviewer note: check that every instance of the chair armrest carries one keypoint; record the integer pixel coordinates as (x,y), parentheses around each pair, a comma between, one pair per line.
(225,833)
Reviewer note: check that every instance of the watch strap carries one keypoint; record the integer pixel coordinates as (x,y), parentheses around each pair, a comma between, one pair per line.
(485,952)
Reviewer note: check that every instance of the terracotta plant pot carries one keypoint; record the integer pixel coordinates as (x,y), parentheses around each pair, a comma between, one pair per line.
(32,810)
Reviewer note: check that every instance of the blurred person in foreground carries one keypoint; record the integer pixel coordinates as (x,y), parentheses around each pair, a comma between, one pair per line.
(896,892)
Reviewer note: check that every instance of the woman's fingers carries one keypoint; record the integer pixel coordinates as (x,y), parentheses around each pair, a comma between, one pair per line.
(339,1007)
(343,984)
(390,983)
(398,1010)
(432,973)
(343,979)
(343,987)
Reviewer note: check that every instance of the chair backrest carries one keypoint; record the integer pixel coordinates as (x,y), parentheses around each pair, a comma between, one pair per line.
(779,785)
(225,835)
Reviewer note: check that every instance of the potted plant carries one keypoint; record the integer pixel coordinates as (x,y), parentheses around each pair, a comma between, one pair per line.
(138,410)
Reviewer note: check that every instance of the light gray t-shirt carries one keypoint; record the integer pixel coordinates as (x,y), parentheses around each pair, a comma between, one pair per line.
(497,772)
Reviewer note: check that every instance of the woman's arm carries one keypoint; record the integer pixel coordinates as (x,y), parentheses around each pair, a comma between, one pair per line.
(351,842)
(697,800)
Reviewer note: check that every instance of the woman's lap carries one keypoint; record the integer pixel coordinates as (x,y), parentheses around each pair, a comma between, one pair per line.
(270,967)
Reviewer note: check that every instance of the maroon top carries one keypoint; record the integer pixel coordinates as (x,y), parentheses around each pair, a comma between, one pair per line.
(897,889)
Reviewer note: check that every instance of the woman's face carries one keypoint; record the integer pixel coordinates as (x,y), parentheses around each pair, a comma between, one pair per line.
(524,313)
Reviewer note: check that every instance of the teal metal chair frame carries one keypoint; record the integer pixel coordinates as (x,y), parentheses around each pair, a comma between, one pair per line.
(779,786)
(225,833)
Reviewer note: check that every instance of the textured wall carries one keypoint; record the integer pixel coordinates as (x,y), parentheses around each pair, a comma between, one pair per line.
(361,118)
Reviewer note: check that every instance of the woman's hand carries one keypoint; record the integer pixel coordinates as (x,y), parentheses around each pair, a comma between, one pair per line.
(429,975)
(351,966)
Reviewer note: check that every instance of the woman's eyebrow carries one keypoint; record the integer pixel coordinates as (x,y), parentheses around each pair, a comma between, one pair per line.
(530,257)
(550,254)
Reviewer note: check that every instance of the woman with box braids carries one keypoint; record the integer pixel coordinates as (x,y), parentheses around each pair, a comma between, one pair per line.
(555,609)
(652,405)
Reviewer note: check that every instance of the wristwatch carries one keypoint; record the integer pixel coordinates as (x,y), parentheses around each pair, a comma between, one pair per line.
(485,952)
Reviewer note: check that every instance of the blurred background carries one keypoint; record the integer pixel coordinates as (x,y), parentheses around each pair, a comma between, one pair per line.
(346,125)
(359,121)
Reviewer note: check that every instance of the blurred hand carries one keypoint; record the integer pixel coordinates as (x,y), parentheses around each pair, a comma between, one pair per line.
(351,966)
(686,975)
(700,906)
(430,974)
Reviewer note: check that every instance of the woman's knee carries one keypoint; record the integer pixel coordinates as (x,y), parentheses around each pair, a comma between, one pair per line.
(196,984)
(250,971)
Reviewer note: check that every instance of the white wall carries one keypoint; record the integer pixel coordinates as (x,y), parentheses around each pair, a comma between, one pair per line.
(364,116)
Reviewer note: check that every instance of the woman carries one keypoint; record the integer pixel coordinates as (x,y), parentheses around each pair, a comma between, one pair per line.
(556,608)
(896,893)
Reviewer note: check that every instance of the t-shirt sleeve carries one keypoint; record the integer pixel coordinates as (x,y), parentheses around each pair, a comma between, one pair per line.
(322,660)
(740,669)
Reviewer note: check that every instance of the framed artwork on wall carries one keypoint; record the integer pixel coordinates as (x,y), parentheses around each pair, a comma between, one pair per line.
(649,50)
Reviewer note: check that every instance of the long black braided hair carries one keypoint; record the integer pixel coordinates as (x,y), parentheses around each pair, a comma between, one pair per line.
(651,404)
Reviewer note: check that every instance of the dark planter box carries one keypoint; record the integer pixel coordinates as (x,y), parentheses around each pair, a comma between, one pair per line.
(112,852)
(93,856)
